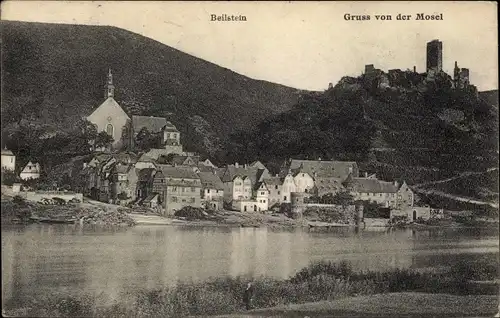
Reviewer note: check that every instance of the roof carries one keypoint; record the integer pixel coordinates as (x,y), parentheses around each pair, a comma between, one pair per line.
(257,164)
(152,124)
(319,168)
(180,160)
(7,152)
(204,168)
(328,185)
(273,181)
(145,158)
(210,180)
(371,185)
(178,172)
(31,167)
(145,174)
(125,157)
(109,106)
(170,127)
(150,197)
(231,172)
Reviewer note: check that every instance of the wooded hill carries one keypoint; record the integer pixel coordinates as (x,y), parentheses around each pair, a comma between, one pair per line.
(54,74)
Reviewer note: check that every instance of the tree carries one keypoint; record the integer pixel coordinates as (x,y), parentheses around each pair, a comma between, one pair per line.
(9,177)
(103,140)
(146,140)
(343,198)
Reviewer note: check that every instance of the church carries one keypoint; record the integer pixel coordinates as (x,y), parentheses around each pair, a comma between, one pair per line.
(111,118)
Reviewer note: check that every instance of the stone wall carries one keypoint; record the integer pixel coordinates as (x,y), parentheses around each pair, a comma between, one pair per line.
(332,213)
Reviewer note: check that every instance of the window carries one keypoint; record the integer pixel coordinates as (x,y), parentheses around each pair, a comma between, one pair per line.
(191,200)
(174,199)
(276,187)
(193,189)
(262,193)
(263,201)
(208,190)
(109,129)
(278,193)
(182,190)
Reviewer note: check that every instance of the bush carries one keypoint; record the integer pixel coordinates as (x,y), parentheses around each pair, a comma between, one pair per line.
(191,213)
(19,200)
(59,201)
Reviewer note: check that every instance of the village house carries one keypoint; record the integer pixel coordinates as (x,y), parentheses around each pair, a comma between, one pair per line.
(274,186)
(322,168)
(389,194)
(123,183)
(212,191)
(30,171)
(178,187)
(144,186)
(258,204)
(8,160)
(240,181)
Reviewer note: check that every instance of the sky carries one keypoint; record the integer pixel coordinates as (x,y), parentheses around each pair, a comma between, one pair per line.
(305,45)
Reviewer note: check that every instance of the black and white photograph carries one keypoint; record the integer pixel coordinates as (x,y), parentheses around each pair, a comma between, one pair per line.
(249,159)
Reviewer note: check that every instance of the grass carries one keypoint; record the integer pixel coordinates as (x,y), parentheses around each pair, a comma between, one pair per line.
(323,281)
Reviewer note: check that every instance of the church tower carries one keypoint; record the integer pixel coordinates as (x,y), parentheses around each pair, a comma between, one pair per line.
(110,88)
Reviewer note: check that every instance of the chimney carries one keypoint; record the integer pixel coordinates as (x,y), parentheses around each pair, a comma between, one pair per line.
(236,165)
(246,166)
(319,158)
(277,175)
(396,184)
(366,174)
(84,165)
(414,69)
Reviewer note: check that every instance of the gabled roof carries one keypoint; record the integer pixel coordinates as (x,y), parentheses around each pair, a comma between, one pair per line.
(231,172)
(257,164)
(31,167)
(177,172)
(320,168)
(185,160)
(152,124)
(150,198)
(204,168)
(369,185)
(154,153)
(211,181)
(107,107)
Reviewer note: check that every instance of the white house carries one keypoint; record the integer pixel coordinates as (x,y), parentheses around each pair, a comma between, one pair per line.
(8,160)
(30,171)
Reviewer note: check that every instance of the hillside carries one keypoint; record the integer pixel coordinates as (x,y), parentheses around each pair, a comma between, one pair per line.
(55,73)
(419,132)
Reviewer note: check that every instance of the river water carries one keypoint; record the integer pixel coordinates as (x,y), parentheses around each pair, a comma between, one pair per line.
(64,258)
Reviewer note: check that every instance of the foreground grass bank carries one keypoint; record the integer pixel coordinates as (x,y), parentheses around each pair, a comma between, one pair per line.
(318,282)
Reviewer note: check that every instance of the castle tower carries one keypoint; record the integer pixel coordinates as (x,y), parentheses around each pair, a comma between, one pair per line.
(435,56)
(110,88)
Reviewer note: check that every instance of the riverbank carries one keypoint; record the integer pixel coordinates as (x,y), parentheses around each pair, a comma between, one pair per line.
(312,288)
(409,304)
(16,210)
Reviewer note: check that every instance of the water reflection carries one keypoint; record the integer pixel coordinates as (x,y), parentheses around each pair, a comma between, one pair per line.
(41,258)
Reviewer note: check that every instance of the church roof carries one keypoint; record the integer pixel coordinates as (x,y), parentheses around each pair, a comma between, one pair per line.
(108,108)
(152,124)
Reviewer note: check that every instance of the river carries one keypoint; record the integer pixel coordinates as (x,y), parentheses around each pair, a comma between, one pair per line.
(64,258)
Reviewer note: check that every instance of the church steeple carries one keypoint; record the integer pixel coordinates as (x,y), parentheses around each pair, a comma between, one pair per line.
(110,88)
